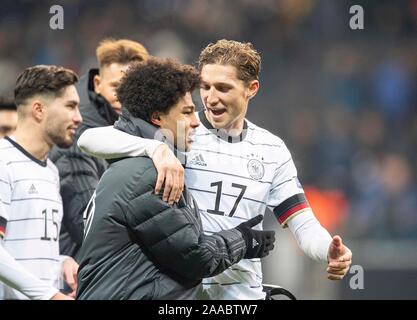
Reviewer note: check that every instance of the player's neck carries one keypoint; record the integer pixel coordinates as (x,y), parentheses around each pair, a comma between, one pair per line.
(235,129)
(32,140)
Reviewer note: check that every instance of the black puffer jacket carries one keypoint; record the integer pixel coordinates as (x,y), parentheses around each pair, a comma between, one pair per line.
(137,246)
(80,173)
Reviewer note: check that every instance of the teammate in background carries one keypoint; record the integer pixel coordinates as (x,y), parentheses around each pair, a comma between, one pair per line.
(8,117)
(47,106)
(99,107)
(137,246)
(236,170)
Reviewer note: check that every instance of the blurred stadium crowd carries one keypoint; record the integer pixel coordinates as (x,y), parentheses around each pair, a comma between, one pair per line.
(344,100)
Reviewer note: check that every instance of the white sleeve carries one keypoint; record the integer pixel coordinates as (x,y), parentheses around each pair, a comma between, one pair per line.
(286,196)
(15,276)
(311,237)
(111,143)
(11,272)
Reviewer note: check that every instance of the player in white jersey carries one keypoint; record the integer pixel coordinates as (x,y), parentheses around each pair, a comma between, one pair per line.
(47,104)
(236,169)
(17,277)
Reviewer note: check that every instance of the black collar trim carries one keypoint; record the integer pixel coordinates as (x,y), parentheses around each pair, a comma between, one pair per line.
(27,154)
(220,134)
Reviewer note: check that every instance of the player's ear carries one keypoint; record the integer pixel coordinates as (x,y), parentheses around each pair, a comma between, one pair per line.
(252,89)
(97,82)
(37,109)
(156,118)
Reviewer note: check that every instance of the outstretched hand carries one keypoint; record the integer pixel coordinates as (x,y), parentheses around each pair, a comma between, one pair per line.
(339,259)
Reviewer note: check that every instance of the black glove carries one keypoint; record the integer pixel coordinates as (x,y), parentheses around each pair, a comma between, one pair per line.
(258,243)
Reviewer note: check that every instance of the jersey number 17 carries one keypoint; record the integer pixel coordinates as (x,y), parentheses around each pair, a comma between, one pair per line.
(219,185)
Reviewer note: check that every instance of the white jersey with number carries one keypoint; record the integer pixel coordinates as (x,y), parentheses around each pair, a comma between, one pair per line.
(31,219)
(233,181)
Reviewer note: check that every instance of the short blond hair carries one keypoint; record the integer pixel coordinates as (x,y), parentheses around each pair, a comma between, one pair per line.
(120,51)
(242,56)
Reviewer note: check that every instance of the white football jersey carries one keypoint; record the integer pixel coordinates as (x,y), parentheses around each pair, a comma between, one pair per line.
(31,219)
(234,181)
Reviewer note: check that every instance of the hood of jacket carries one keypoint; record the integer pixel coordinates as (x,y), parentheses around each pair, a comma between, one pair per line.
(136,126)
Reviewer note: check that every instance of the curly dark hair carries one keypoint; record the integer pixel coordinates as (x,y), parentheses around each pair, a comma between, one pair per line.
(155,85)
(42,79)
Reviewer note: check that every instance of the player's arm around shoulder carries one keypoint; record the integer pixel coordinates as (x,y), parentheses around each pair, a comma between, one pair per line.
(110,143)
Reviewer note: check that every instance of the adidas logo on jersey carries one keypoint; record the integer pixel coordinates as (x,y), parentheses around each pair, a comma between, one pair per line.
(32,189)
(254,243)
(198,161)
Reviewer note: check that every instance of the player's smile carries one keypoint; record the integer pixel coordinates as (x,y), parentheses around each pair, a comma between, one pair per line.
(72,130)
(216,112)
(191,136)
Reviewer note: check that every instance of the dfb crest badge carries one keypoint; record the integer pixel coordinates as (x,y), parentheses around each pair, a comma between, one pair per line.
(256,169)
